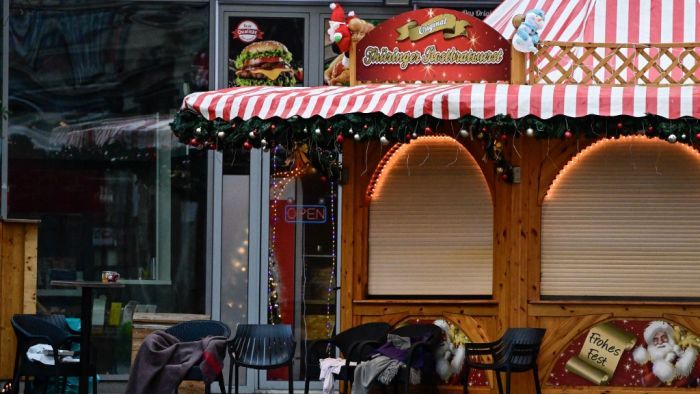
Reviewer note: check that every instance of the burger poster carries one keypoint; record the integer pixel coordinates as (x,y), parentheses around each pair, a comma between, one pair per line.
(266,52)
(630,353)
(433,44)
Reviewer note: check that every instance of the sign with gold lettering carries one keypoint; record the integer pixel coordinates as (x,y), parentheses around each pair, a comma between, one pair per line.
(433,45)
(601,353)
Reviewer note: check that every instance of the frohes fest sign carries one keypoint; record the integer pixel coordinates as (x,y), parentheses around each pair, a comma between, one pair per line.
(433,44)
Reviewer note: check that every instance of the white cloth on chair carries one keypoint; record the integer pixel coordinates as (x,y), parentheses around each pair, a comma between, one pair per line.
(329,366)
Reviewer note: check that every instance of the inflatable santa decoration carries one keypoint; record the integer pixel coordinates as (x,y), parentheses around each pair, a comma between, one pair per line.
(339,33)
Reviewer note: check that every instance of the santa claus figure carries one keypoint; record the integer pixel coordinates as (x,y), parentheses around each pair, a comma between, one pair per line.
(670,364)
(339,33)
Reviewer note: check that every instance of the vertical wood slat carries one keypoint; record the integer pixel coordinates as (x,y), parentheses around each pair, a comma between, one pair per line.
(18,258)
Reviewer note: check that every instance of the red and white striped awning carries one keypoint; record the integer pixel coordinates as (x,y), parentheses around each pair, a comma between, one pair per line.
(610,21)
(447,101)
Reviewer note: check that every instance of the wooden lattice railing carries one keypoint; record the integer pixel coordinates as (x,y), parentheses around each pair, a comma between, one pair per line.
(615,64)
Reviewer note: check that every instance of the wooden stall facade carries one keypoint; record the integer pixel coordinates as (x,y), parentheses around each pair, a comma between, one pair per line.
(18,276)
(516,300)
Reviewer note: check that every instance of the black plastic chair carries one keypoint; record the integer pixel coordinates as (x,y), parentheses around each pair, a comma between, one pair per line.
(262,346)
(195,330)
(349,343)
(52,330)
(516,351)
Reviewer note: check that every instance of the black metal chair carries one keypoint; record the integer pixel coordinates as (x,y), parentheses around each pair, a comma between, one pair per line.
(196,330)
(349,343)
(51,330)
(515,351)
(262,346)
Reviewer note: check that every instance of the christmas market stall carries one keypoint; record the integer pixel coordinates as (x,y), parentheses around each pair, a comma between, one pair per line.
(538,169)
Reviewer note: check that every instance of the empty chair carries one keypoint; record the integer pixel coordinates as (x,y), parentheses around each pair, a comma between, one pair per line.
(195,330)
(262,346)
(515,351)
(349,343)
(50,330)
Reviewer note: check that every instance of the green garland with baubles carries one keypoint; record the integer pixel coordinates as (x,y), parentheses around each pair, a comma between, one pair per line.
(322,139)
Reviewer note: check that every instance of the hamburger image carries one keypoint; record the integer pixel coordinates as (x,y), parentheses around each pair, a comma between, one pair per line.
(264,63)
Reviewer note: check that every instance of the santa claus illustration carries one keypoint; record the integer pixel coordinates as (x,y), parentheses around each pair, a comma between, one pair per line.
(339,32)
(670,364)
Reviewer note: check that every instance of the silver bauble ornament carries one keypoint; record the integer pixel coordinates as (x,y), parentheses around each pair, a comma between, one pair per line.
(414,135)
(357,137)
(251,134)
(464,133)
(672,138)
(306,130)
(529,132)
(263,143)
(198,130)
(351,132)
(384,140)
(221,134)
(317,131)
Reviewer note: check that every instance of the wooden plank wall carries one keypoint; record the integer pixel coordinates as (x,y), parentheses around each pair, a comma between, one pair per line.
(18,279)
(516,301)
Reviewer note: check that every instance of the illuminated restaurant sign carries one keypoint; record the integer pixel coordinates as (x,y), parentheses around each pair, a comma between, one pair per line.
(433,45)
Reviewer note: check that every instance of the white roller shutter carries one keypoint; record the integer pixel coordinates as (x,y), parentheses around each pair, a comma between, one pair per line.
(623,219)
(431,223)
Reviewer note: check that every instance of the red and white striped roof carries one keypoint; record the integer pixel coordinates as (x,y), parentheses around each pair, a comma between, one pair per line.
(610,21)
(447,101)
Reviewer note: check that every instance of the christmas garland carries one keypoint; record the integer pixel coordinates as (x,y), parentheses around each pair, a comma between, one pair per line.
(322,139)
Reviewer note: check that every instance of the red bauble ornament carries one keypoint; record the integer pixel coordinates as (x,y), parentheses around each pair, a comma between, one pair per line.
(323,178)
(408,136)
(650,129)
(330,130)
(247,145)
(697,136)
(339,139)
(484,129)
(503,137)
(212,146)
(365,127)
(568,134)
(391,129)
(620,126)
(504,177)
(428,131)
(194,142)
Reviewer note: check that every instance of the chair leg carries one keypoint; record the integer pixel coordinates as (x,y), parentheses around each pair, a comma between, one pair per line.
(235,377)
(536,375)
(498,381)
(465,380)
(222,385)
(508,382)
(230,376)
(291,377)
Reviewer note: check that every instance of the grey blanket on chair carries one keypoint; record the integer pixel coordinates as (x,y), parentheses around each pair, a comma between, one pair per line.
(163,361)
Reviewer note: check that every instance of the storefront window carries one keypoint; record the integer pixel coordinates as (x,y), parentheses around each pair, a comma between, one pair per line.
(92,87)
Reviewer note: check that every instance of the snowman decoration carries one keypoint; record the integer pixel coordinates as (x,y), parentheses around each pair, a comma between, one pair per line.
(527,37)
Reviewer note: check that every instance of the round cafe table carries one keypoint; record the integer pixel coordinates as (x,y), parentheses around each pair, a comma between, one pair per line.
(85,321)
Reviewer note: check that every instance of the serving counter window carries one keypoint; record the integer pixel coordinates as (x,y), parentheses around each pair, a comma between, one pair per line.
(622,219)
(430,222)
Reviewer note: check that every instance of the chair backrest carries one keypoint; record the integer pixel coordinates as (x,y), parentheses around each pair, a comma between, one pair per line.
(430,332)
(27,327)
(364,332)
(195,330)
(523,344)
(263,346)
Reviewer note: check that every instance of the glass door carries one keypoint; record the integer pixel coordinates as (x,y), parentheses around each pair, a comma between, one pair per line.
(300,275)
